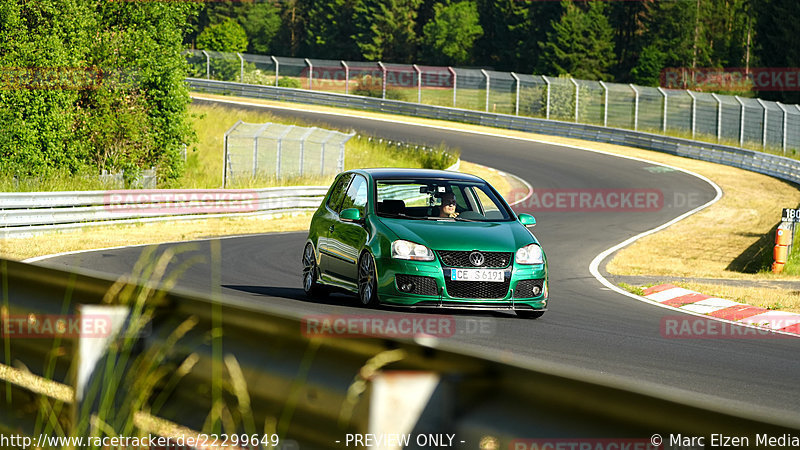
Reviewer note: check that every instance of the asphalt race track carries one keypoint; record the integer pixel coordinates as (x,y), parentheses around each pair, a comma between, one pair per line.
(588,328)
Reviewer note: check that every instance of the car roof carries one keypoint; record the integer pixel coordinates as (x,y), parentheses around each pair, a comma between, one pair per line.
(395,172)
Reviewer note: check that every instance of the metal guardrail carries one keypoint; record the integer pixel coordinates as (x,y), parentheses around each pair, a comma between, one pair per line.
(24,213)
(773,165)
(272,377)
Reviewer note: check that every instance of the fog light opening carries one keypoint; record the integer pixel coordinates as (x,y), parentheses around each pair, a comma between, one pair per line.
(536,291)
(407,287)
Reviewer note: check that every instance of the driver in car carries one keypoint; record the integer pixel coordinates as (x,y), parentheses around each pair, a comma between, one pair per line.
(448,208)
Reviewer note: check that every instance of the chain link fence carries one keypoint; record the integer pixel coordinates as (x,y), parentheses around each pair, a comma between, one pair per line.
(270,150)
(745,122)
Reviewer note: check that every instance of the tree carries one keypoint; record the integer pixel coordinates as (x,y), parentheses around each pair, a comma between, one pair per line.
(225,36)
(450,36)
(504,25)
(778,43)
(385,29)
(581,43)
(329,28)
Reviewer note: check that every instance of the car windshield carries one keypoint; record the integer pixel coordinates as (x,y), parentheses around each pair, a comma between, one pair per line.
(448,200)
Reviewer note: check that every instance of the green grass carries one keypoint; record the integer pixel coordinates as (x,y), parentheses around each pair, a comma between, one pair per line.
(632,289)
(792,266)
(58,181)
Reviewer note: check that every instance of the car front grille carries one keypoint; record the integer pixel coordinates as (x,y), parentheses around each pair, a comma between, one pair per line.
(524,288)
(476,289)
(421,285)
(496,260)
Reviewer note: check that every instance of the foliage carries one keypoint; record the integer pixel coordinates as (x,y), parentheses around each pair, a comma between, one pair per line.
(226,36)
(385,29)
(450,36)
(370,86)
(648,70)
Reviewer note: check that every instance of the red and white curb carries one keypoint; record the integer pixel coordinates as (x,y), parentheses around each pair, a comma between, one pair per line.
(684,299)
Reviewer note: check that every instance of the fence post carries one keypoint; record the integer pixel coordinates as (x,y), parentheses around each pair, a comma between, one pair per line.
(577,95)
(241,67)
(322,157)
(719,117)
(547,104)
(225,165)
(303,146)
(664,114)
(310,74)
(208,65)
(486,75)
(280,145)
(635,107)
(764,127)
(383,83)
(785,122)
(516,102)
(605,104)
(741,121)
(277,68)
(455,83)
(255,147)
(694,110)
(346,77)
(419,82)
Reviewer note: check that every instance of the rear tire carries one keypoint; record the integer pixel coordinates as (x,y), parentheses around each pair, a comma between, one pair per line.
(530,314)
(367,281)
(311,286)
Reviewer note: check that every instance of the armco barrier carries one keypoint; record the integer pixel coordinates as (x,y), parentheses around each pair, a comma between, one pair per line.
(778,166)
(274,378)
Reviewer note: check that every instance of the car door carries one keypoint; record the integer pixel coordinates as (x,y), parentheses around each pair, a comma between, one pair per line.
(348,238)
(324,223)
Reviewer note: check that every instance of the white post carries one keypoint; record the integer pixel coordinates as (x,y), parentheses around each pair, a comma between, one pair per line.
(346,77)
(280,144)
(455,84)
(547,104)
(783,139)
(605,104)
(764,127)
(516,103)
(303,145)
(255,147)
(310,74)
(277,68)
(419,82)
(208,65)
(486,75)
(635,107)
(322,158)
(694,110)
(741,120)
(664,114)
(719,116)
(225,153)
(577,94)
(383,84)
(241,67)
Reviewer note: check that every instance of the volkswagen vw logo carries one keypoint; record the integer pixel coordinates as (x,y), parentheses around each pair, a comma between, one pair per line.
(476,258)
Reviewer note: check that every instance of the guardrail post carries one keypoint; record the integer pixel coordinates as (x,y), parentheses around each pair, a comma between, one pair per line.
(383,83)
(277,68)
(741,120)
(635,107)
(547,101)
(785,122)
(605,104)
(516,102)
(208,65)
(719,117)
(664,114)
(303,145)
(241,67)
(694,110)
(764,127)
(486,75)
(346,77)
(577,97)
(310,74)
(419,82)
(455,83)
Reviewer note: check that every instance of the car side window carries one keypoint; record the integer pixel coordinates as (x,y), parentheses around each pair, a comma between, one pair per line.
(356,196)
(337,193)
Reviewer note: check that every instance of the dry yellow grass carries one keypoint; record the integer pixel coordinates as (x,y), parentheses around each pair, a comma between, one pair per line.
(764,297)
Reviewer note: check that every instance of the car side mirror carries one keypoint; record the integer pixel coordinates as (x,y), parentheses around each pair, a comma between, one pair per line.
(350,215)
(527,220)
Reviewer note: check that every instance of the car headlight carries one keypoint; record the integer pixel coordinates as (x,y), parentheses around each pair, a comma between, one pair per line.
(411,250)
(530,254)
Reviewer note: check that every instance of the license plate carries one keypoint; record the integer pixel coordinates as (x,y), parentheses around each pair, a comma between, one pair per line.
(476,275)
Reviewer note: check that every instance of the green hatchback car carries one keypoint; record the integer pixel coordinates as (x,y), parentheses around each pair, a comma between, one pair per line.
(426,239)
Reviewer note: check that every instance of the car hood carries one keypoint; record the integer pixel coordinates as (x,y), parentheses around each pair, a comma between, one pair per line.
(447,235)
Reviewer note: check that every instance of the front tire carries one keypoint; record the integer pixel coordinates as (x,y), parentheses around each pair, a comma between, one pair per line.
(367,281)
(311,286)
